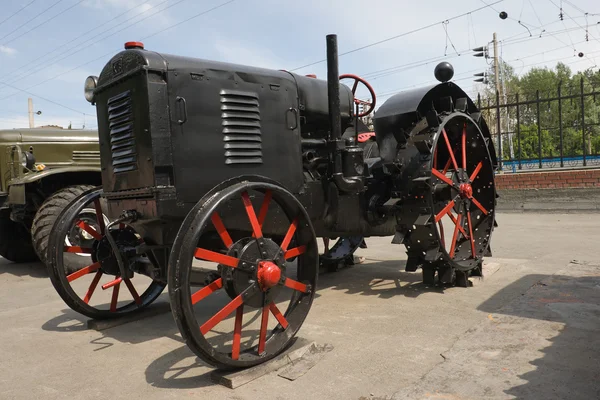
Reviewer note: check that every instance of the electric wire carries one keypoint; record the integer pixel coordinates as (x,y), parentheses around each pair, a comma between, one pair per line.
(18,11)
(80,47)
(87,32)
(105,55)
(20,26)
(397,36)
(44,22)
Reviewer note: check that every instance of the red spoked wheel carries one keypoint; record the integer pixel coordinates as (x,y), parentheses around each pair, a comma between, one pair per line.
(371,104)
(463,193)
(236,295)
(92,283)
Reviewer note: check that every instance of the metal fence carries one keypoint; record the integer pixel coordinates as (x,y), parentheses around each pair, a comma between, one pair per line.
(557,128)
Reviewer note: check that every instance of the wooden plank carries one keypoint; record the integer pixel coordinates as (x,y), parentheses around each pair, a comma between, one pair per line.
(236,379)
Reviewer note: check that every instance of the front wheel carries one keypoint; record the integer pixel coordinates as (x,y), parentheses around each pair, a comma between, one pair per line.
(81,243)
(221,265)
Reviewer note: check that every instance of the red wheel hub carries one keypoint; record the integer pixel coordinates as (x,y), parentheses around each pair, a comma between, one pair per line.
(269,274)
(466,191)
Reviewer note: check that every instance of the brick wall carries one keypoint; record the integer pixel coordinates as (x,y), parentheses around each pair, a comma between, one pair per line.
(549,180)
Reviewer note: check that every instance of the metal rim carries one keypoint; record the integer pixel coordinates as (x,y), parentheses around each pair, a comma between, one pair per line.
(208,212)
(462,192)
(62,280)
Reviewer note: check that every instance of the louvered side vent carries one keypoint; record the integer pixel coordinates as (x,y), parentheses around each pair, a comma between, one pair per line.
(83,156)
(122,140)
(240,118)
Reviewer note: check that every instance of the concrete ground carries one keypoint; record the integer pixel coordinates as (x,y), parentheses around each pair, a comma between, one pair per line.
(529,330)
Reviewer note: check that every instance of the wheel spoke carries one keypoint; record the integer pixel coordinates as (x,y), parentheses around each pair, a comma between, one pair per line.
(450,149)
(112,283)
(90,230)
(292,284)
(223,259)
(478,204)
(288,236)
(460,228)
(206,290)
(455,236)
(237,333)
(115,297)
(464,147)
(262,214)
(99,215)
(84,271)
(251,215)
(471,234)
(296,251)
(280,318)
(92,287)
(133,292)
(263,329)
(447,166)
(218,317)
(444,211)
(218,223)
(77,249)
(442,177)
(476,171)
(441,225)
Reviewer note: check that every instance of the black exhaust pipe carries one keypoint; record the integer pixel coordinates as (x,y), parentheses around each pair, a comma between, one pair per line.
(335,117)
(333,88)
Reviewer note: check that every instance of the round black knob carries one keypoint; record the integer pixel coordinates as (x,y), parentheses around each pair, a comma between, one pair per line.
(444,71)
(503,15)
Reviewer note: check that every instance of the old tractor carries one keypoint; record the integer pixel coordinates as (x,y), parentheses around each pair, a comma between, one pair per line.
(42,171)
(218,179)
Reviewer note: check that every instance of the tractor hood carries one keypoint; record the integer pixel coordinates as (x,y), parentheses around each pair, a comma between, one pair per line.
(47,135)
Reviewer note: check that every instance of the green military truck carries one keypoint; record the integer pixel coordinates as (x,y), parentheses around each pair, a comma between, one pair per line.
(42,170)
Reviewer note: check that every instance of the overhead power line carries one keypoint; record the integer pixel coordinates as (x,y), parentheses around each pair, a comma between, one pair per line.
(45,99)
(44,22)
(400,35)
(80,47)
(87,32)
(20,26)
(112,52)
(16,12)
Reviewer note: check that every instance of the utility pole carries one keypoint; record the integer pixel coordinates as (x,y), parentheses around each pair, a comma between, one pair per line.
(496,68)
(499,114)
(30,103)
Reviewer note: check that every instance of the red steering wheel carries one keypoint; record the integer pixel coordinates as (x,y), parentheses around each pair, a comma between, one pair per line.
(371,103)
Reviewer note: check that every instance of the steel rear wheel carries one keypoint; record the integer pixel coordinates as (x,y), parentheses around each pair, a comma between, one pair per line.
(462,194)
(449,198)
(237,298)
(83,267)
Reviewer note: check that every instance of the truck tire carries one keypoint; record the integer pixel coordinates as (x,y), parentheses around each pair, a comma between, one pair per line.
(15,240)
(46,216)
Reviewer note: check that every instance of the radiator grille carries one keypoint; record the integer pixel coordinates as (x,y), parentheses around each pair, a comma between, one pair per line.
(122,140)
(240,118)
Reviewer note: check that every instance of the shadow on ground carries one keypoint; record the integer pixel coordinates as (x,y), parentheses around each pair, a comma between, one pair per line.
(181,369)
(34,270)
(565,312)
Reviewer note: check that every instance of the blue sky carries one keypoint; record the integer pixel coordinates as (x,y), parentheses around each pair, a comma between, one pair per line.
(76,38)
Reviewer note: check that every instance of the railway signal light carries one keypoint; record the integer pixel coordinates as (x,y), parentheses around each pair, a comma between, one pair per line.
(481,52)
(482,77)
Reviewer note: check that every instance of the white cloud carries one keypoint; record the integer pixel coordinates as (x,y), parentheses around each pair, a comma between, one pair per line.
(7,50)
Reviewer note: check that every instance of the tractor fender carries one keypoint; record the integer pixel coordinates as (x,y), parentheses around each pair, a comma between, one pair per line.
(16,187)
(402,111)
